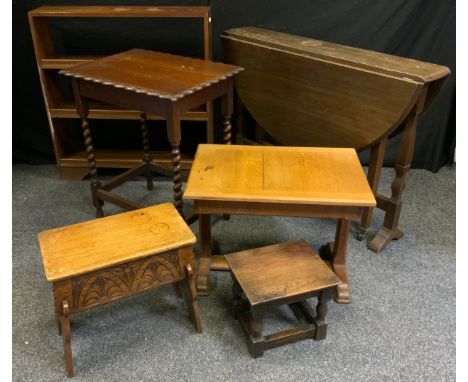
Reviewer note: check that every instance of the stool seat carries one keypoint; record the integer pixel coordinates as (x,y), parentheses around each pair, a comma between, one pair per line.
(287,273)
(281,271)
(97,244)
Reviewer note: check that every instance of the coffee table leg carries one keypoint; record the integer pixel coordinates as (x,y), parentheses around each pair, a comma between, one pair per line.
(205,259)
(342,295)
(66,332)
(190,294)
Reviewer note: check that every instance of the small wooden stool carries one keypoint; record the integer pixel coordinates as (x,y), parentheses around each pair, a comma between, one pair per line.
(287,273)
(100,261)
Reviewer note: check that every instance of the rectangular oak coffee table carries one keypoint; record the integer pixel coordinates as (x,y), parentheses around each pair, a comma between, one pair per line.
(278,181)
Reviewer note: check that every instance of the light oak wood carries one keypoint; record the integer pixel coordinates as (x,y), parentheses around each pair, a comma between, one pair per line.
(271,174)
(97,244)
(276,181)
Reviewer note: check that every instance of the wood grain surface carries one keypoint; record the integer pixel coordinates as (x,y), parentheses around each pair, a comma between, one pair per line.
(280,271)
(97,244)
(306,92)
(154,73)
(272,174)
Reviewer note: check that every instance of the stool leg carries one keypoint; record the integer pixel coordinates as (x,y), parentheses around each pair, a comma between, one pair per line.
(239,305)
(190,294)
(256,329)
(146,150)
(67,338)
(321,310)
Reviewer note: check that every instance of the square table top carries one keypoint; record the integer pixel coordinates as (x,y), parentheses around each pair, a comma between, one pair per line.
(279,174)
(280,271)
(97,244)
(154,73)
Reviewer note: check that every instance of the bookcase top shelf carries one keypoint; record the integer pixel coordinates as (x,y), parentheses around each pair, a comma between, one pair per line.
(120,11)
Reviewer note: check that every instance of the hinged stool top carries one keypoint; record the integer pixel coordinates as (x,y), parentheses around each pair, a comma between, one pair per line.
(96,244)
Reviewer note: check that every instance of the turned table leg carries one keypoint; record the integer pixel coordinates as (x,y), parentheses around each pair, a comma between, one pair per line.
(190,294)
(66,332)
(373,176)
(205,259)
(227,106)
(83,109)
(174,136)
(146,150)
(392,205)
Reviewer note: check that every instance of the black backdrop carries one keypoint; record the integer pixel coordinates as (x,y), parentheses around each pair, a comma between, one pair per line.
(420,29)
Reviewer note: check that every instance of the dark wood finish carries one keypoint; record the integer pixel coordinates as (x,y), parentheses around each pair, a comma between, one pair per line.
(309,92)
(87,273)
(59,111)
(277,181)
(373,176)
(287,273)
(168,85)
(277,273)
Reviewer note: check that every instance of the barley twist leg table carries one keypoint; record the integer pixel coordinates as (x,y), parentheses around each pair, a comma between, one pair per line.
(152,82)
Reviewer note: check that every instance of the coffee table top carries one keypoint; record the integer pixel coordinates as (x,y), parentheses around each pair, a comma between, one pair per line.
(97,244)
(154,73)
(280,271)
(275,174)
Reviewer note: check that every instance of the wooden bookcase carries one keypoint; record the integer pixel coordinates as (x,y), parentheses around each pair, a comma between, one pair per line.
(72,163)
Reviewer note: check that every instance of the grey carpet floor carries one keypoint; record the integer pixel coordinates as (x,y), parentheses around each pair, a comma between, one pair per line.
(400,325)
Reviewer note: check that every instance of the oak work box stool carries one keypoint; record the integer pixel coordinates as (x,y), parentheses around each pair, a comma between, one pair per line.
(103,260)
(288,273)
